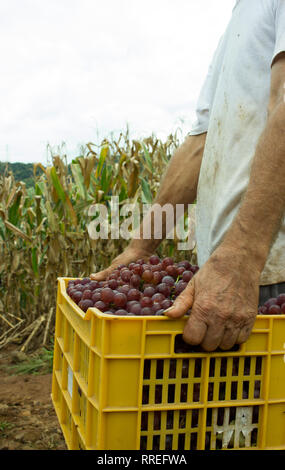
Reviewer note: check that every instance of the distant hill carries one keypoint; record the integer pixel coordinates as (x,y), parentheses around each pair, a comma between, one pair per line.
(21,171)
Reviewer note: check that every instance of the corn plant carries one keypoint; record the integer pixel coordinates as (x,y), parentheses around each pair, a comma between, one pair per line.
(44,229)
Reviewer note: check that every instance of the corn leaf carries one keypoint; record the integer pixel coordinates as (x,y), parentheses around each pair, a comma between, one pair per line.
(17,231)
(146,192)
(57,184)
(147,158)
(102,158)
(35,261)
(79,179)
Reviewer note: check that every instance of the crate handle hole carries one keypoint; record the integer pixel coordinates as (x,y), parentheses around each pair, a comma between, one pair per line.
(180,347)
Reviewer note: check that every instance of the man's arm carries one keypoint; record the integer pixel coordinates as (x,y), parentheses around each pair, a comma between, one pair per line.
(262,210)
(179,186)
(224,293)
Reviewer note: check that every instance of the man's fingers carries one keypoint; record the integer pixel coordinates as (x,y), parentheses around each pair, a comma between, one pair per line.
(244,334)
(183,302)
(194,330)
(213,337)
(229,339)
(102,275)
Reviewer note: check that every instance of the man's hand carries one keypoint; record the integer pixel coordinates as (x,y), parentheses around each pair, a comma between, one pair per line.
(223,295)
(128,256)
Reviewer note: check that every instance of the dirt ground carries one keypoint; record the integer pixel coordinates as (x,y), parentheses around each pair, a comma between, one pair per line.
(27,417)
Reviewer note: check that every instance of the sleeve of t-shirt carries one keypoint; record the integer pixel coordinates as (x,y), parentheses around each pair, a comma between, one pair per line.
(207,93)
(279,28)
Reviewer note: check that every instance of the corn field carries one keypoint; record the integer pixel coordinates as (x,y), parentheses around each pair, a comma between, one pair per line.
(43,229)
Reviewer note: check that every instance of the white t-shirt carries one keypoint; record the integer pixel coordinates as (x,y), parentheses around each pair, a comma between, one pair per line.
(232,108)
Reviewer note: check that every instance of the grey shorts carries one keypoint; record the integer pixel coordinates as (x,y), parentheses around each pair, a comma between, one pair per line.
(272,290)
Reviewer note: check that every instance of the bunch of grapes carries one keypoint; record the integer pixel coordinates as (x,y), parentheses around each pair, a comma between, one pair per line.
(141,288)
(273,306)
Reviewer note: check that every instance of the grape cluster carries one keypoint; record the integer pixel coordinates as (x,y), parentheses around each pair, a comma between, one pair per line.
(145,288)
(273,306)
(140,288)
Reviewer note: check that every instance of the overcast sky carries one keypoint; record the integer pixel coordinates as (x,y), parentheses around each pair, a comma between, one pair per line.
(75,70)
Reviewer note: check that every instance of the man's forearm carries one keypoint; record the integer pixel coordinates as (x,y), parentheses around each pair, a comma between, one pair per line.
(179,186)
(258,220)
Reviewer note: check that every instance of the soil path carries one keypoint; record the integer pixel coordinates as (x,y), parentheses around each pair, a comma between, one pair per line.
(27,417)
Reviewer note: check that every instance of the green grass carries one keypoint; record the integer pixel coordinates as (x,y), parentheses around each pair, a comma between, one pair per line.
(38,364)
(4,426)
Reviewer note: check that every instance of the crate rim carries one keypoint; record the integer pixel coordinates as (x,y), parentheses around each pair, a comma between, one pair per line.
(87,315)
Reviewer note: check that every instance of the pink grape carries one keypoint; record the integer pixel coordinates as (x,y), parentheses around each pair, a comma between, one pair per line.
(180,270)
(194,269)
(107,295)
(272,301)
(281,299)
(155,267)
(135,280)
(166,304)
(102,283)
(96,296)
(167,262)
(85,304)
(129,304)
(126,275)
(263,310)
(93,285)
(146,302)
(274,310)
(113,284)
(121,312)
(134,294)
(147,276)
(154,259)
(168,280)
(80,287)
(283,308)
(171,271)
(156,307)
(135,308)
(187,276)
(101,306)
(121,266)
(72,291)
(77,296)
(120,299)
(124,289)
(185,264)
(163,273)
(158,297)
(145,267)
(141,261)
(164,289)
(146,311)
(180,286)
(87,294)
(138,269)
(157,277)
(149,291)
(146,284)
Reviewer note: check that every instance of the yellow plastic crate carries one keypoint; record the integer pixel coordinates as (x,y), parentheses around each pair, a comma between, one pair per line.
(125,383)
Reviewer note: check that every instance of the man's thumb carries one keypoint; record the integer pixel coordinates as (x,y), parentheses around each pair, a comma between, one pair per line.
(183,302)
(101,275)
